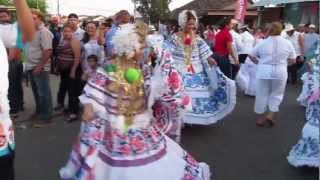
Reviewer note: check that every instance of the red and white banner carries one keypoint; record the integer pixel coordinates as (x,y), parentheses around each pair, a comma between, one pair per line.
(241,10)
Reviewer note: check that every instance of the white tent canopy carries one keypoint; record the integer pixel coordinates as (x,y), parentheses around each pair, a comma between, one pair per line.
(275,2)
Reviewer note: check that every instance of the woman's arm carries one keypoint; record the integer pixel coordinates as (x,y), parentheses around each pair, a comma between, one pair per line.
(212,62)
(301,44)
(88,113)
(76,48)
(25,19)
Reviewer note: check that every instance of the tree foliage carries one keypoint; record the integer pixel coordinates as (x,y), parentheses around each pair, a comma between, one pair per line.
(153,10)
(36,4)
(5,2)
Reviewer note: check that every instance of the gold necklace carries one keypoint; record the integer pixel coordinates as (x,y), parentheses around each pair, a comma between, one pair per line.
(188,44)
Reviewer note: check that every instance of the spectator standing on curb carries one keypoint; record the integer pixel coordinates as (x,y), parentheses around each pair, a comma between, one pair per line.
(68,57)
(8,39)
(297,41)
(39,52)
(73,21)
(122,18)
(15,92)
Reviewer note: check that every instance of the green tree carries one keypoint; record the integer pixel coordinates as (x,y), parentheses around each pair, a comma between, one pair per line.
(153,10)
(37,4)
(5,2)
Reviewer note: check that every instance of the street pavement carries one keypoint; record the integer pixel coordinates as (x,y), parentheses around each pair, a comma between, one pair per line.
(234,148)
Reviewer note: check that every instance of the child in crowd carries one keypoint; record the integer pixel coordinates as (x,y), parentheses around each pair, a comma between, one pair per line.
(93,63)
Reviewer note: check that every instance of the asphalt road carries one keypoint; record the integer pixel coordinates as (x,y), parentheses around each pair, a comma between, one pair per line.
(234,148)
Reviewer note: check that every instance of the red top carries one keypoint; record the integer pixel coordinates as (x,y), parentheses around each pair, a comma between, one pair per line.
(222,39)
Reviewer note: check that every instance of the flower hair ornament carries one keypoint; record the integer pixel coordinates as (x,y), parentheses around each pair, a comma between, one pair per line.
(128,39)
(183,17)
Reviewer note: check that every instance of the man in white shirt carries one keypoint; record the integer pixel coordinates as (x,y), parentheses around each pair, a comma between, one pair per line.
(301,29)
(297,41)
(247,41)
(39,52)
(237,47)
(8,38)
(122,19)
(310,38)
(15,92)
(73,21)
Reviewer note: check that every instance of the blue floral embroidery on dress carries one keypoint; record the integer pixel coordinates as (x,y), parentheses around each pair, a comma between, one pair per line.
(91,133)
(192,168)
(199,80)
(313,113)
(212,104)
(306,148)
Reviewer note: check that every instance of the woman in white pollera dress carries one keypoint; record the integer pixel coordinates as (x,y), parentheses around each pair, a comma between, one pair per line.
(211,100)
(307,151)
(120,139)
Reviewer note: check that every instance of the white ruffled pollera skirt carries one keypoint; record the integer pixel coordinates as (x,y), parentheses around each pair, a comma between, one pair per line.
(246,78)
(307,151)
(175,165)
(90,160)
(212,100)
(303,97)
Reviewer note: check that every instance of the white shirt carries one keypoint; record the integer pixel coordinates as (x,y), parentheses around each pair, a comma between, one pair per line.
(9,34)
(273,54)
(236,45)
(8,38)
(294,39)
(237,39)
(310,39)
(247,42)
(34,49)
(79,33)
(92,48)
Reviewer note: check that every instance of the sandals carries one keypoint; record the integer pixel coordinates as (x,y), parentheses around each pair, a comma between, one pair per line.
(271,122)
(14,116)
(261,121)
(58,108)
(71,118)
(265,121)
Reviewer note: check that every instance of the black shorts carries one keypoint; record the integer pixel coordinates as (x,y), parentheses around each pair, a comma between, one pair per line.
(7,167)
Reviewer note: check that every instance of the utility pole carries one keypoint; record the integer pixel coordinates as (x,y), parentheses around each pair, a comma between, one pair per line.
(135,8)
(58,7)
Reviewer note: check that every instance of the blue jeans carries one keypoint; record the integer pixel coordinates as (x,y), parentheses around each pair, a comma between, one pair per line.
(42,94)
(224,64)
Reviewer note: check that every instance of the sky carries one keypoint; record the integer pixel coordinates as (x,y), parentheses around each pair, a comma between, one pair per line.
(98,7)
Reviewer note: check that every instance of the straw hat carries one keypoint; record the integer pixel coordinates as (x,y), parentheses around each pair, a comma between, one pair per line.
(288,27)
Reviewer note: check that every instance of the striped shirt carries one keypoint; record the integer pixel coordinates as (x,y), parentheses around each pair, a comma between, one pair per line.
(65,54)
